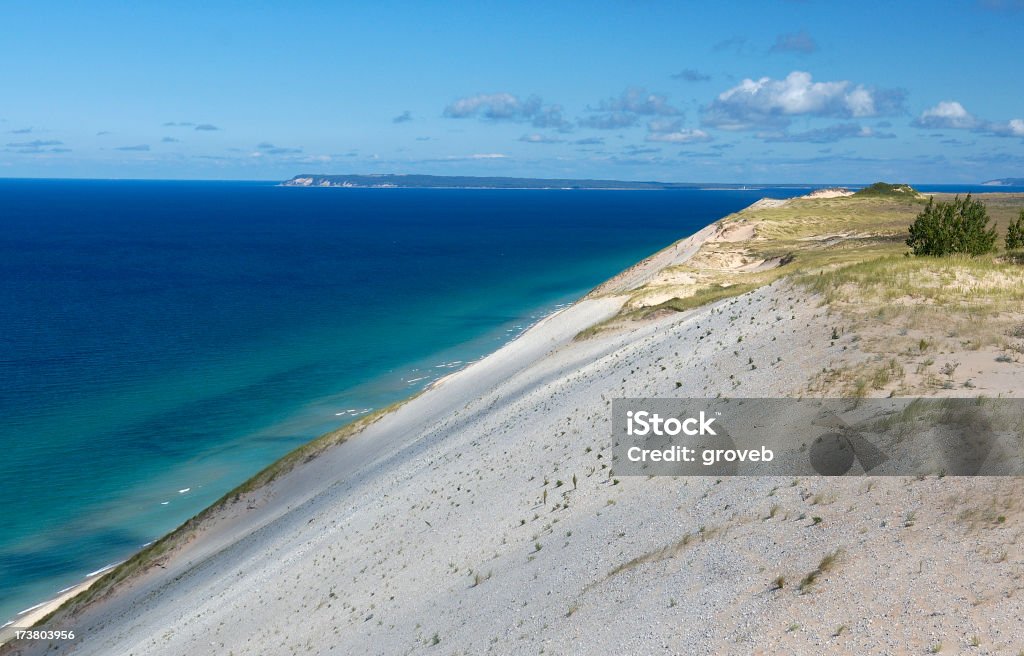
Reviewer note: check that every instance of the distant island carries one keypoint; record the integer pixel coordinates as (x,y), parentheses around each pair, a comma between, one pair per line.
(1005,182)
(394,180)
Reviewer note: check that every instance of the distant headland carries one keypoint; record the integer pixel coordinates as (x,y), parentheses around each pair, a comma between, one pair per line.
(1005,182)
(395,180)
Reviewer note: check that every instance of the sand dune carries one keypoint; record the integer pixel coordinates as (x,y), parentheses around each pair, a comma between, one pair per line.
(481,517)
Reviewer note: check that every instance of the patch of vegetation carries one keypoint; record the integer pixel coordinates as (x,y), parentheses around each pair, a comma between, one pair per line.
(887,190)
(956,281)
(702,296)
(827,564)
(1015,233)
(666,552)
(958,227)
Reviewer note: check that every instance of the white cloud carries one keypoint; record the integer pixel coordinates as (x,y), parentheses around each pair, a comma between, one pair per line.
(1012,128)
(769,102)
(951,115)
(948,114)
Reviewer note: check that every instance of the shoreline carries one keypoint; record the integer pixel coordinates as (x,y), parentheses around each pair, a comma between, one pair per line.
(32,615)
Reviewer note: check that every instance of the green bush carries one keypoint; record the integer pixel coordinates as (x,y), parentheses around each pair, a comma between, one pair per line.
(888,190)
(1015,233)
(948,228)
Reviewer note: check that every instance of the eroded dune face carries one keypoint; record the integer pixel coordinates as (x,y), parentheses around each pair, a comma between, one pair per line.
(484,515)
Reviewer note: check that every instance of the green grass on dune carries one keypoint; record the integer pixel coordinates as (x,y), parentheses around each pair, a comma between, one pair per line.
(985,281)
(848,249)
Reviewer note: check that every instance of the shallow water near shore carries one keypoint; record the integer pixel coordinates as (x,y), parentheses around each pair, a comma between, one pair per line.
(163,341)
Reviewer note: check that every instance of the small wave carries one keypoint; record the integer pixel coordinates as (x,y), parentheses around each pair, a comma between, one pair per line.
(184,491)
(32,608)
(164,503)
(105,568)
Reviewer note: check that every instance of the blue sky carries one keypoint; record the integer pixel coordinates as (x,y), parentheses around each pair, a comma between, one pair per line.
(788,91)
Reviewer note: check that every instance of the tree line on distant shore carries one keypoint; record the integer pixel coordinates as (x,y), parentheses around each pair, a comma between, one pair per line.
(960,227)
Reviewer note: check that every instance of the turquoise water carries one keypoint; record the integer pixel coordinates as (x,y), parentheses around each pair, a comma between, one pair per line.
(160,342)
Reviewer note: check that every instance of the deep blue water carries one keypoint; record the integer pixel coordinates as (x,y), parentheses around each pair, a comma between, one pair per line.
(163,336)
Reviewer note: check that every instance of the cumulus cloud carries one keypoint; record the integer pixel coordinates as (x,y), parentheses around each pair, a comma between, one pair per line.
(539,139)
(170,140)
(508,107)
(946,114)
(206,127)
(799,42)
(103,133)
(691,75)
(589,141)
(178,124)
(771,103)
(949,114)
(1011,128)
(21,131)
(138,147)
(831,134)
(404,117)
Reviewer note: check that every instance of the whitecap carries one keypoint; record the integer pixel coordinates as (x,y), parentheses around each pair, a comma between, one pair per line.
(104,569)
(29,610)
